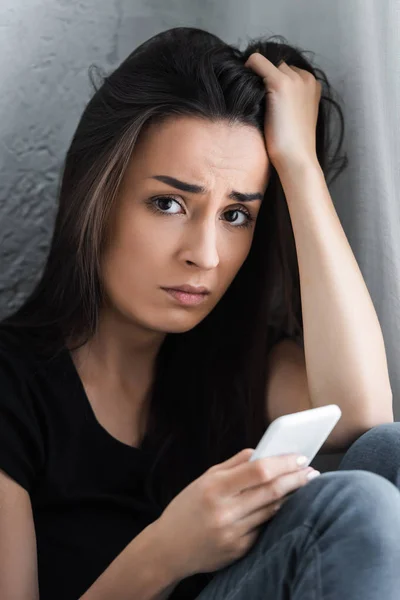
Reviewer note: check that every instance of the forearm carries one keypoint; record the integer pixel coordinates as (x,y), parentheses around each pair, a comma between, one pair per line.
(343,343)
(142,571)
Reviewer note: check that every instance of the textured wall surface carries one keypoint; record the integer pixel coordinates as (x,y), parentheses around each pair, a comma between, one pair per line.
(46,47)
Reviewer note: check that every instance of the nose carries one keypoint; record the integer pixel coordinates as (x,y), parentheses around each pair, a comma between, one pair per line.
(200,245)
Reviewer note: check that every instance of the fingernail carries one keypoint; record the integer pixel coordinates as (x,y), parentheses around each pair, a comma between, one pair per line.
(302,460)
(313,474)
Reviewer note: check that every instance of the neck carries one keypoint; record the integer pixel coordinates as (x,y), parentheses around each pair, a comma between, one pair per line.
(120,356)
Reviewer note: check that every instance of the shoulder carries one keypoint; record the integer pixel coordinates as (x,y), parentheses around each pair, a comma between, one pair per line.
(18,368)
(23,373)
(38,382)
(21,351)
(14,358)
(22,427)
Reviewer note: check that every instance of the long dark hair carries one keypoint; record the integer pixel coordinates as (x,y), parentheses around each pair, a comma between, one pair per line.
(208,396)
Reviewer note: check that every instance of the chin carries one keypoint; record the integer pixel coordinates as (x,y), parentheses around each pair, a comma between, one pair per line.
(180,323)
(179,327)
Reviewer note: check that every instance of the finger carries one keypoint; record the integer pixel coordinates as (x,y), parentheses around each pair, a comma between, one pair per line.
(307,76)
(257,472)
(271,493)
(264,68)
(252,520)
(297,70)
(285,68)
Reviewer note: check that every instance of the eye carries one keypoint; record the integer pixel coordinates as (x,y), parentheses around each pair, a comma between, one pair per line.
(248,217)
(158,205)
(164,200)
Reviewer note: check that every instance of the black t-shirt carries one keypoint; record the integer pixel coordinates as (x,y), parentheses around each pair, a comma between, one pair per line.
(86,487)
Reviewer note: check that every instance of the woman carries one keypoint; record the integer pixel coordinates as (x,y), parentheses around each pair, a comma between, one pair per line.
(129,409)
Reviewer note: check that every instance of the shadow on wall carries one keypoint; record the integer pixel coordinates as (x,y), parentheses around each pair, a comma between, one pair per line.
(327,462)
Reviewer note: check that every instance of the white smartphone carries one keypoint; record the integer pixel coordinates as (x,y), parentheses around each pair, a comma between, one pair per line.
(303,433)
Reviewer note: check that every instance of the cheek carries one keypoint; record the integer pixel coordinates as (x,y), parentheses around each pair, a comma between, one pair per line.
(133,258)
(238,248)
(139,241)
(232,258)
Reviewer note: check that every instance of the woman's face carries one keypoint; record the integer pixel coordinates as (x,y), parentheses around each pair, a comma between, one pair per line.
(162,236)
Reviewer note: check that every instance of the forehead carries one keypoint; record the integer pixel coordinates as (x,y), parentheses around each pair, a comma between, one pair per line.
(202,150)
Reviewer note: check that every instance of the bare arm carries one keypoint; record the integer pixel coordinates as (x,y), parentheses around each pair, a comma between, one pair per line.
(343,343)
(18,557)
(143,570)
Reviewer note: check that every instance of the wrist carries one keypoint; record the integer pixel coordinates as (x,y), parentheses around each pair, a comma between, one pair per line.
(301,181)
(297,168)
(168,562)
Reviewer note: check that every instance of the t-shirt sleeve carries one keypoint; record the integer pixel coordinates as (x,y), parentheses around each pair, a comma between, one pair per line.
(21,440)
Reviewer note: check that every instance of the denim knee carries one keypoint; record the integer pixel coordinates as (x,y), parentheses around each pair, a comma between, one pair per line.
(357,505)
(378,451)
(343,503)
(335,537)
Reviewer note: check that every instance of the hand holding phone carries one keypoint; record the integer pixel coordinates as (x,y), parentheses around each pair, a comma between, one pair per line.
(217,518)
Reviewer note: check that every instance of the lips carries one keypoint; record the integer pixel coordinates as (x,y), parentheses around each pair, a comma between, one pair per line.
(185,298)
(187,292)
(189,289)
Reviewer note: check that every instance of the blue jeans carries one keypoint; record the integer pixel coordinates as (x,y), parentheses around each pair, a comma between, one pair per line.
(336,538)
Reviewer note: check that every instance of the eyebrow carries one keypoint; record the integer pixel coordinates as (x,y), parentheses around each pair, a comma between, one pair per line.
(199,189)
